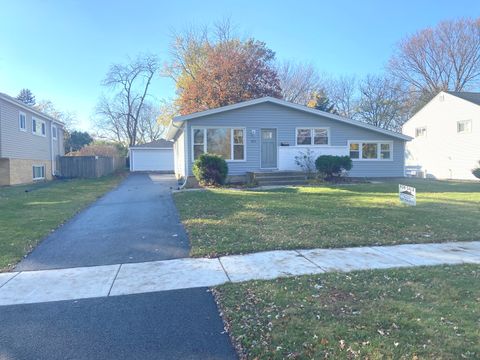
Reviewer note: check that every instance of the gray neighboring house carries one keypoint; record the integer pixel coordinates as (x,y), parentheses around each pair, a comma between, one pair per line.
(265,135)
(30,143)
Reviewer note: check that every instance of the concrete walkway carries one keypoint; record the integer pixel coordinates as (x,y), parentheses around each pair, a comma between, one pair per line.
(27,287)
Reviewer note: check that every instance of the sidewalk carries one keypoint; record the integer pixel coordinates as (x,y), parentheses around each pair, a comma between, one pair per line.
(28,287)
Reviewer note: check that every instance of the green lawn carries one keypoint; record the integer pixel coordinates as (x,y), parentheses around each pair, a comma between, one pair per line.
(228,221)
(27,217)
(418,313)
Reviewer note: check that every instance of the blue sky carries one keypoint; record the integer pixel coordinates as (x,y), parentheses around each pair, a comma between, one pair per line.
(61,50)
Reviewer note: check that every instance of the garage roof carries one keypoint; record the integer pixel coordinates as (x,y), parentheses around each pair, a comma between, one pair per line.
(157,144)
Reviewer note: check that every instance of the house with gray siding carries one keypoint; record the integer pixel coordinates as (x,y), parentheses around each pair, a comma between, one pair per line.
(30,142)
(265,135)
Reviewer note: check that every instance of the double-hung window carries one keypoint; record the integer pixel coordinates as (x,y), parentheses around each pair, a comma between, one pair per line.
(312,136)
(370,150)
(38,172)
(464,126)
(229,143)
(22,121)
(421,131)
(54,132)
(39,127)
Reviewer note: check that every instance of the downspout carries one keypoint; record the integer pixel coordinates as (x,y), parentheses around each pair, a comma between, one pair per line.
(51,150)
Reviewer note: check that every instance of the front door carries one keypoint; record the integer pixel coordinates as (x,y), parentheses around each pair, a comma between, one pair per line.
(269,148)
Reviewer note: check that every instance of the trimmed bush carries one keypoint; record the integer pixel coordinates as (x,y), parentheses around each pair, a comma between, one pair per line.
(476,172)
(331,166)
(211,170)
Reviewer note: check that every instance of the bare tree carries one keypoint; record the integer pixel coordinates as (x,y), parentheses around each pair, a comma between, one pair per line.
(149,128)
(342,93)
(49,108)
(446,57)
(118,117)
(299,81)
(381,103)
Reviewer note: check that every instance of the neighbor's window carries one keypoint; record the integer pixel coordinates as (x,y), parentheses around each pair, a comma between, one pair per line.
(22,121)
(39,127)
(420,131)
(464,126)
(229,143)
(313,136)
(38,172)
(370,150)
(54,132)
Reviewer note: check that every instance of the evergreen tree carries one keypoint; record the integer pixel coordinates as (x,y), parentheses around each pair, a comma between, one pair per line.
(320,101)
(27,97)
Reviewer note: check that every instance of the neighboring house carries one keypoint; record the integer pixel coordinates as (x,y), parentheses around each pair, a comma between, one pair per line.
(30,142)
(153,156)
(446,133)
(267,133)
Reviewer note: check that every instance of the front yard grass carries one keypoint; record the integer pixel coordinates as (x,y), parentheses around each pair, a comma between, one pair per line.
(228,221)
(27,217)
(417,313)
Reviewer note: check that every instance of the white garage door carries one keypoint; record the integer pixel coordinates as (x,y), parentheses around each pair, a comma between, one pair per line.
(151,160)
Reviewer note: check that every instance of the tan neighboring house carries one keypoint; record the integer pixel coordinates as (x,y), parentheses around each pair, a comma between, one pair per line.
(446,137)
(30,143)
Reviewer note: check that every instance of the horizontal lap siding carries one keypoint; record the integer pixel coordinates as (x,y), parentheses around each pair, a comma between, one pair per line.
(285,120)
(23,144)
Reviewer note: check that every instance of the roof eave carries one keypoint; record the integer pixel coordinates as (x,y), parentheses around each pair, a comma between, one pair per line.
(29,108)
(181,119)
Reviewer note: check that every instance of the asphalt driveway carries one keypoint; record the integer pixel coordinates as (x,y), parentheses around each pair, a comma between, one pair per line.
(136,222)
(180,324)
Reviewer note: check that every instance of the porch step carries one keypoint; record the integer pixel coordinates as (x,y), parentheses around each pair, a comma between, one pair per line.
(281,182)
(277,178)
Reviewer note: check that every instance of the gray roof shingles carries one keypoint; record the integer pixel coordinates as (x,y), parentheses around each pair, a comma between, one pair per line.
(473,97)
(160,143)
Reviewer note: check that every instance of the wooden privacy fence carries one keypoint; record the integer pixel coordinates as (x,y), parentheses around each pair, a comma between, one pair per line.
(89,166)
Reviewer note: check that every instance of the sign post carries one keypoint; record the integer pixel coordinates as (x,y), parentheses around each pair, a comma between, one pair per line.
(407,194)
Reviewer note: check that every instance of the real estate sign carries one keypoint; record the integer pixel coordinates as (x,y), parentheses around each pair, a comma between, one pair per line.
(407,194)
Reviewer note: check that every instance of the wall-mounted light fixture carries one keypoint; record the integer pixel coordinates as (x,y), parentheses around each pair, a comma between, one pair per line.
(253,132)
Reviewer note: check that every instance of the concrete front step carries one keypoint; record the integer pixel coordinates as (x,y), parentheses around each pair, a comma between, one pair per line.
(281,182)
(276,173)
(277,178)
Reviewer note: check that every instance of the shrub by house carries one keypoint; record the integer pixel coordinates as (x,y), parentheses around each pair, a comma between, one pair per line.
(331,166)
(211,170)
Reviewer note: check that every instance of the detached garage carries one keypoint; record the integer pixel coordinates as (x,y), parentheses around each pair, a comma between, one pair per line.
(154,156)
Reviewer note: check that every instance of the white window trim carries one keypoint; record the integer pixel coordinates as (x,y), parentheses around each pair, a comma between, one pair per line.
(464,122)
(38,125)
(312,136)
(56,132)
(204,128)
(378,142)
(44,171)
(20,113)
